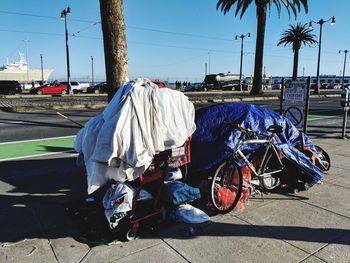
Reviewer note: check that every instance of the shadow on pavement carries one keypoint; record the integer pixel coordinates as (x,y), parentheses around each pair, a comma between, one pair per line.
(53,149)
(33,194)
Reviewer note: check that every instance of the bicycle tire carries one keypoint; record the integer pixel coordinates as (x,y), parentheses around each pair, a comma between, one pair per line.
(269,182)
(324,157)
(226,187)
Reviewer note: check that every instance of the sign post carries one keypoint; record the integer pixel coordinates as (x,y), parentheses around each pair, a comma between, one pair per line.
(345,102)
(295,103)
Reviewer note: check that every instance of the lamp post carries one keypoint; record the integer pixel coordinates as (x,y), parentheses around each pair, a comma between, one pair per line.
(66,12)
(320,22)
(92,70)
(240,67)
(344,96)
(345,55)
(42,68)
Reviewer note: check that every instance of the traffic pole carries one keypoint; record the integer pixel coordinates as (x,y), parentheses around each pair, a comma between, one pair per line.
(307,102)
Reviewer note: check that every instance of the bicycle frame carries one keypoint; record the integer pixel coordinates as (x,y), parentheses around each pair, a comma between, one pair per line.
(270,145)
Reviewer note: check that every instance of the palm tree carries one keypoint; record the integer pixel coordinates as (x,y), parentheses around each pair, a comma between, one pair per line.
(115,48)
(297,36)
(261,9)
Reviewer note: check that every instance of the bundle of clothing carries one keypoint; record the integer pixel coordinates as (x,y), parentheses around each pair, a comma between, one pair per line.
(140,121)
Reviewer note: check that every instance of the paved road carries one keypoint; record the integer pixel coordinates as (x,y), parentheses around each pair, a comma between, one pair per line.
(38,133)
(37,125)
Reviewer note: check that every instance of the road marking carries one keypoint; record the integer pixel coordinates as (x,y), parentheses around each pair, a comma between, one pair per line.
(74,154)
(42,139)
(6,122)
(31,148)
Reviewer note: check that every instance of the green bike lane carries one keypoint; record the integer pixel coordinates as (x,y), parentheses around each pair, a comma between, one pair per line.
(31,148)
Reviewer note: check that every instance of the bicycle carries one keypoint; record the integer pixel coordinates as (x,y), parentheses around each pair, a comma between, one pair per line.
(227,182)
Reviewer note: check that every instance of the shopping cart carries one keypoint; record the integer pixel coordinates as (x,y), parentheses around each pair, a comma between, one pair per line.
(153,178)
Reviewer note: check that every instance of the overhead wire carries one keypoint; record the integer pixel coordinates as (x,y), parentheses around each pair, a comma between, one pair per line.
(94,23)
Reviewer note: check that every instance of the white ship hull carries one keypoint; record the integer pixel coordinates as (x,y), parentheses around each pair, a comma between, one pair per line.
(25,76)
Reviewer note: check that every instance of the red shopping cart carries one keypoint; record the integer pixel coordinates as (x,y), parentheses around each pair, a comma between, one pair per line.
(154,176)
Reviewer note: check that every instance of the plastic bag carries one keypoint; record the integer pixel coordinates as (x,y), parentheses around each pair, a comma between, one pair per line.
(188,214)
(117,201)
(172,174)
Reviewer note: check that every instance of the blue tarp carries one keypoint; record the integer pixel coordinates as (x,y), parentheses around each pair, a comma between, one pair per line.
(214,141)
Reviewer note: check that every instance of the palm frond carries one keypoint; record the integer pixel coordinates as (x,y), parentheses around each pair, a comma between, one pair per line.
(297,36)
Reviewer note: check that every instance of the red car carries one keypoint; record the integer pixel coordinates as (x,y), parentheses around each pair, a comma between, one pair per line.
(53,88)
(159,83)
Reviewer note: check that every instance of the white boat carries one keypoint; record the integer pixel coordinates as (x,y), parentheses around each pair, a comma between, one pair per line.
(19,71)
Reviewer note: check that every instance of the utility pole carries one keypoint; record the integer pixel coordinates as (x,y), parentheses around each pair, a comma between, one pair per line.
(345,55)
(42,68)
(320,22)
(26,45)
(241,63)
(345,96)
(66,12)
(92,70)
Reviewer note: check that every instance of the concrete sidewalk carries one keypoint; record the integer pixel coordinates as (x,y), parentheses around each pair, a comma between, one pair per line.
(311,226)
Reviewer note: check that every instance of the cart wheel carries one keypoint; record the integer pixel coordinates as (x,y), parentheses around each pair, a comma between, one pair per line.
(129,235)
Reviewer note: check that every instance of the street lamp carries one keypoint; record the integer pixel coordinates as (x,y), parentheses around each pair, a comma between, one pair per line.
(42,69)
(240,68)
(66,12)
(345,54)
(92,70)
(320,22)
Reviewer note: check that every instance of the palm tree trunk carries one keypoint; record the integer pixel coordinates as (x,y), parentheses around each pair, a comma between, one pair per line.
(295,64)
(259,50)
(115,48)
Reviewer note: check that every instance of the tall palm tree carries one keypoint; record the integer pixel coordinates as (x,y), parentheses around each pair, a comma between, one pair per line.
(115,48)
(297,36)
(261,9)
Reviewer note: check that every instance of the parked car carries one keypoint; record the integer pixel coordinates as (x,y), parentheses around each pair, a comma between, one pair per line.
(276,86)
(194,87)
(33,84)
(52,88)
(10,87)
(75,86)
(98,88)
(159,83)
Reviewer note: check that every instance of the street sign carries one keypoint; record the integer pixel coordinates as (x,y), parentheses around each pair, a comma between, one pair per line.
(294,102)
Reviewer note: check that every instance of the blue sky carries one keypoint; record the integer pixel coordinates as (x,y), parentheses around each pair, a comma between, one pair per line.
(167,39)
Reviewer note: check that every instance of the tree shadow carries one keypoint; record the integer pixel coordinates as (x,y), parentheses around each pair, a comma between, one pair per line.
(33,195)
(53,149)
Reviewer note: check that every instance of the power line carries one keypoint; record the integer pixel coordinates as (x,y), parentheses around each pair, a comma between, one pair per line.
(178,33)
(30,32)
(41,16)
(130,27)
(85,28)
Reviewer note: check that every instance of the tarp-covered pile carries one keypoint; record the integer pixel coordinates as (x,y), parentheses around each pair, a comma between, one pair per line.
(140,121)
(214,141)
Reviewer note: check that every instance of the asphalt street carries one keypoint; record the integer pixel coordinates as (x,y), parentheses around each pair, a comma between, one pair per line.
(17,126)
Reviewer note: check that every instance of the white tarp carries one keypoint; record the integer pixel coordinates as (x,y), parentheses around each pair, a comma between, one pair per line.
(140,121)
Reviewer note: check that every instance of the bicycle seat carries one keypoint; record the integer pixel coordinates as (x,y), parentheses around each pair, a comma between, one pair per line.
(274,129)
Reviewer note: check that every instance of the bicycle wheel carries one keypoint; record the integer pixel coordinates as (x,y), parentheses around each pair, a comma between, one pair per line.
(271,178)
(324,157)
(226,187)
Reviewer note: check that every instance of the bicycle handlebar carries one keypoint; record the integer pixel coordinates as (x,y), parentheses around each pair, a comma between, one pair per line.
(247,131)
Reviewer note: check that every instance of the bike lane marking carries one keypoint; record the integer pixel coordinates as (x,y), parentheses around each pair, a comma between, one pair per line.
(47,146)
(37,147)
